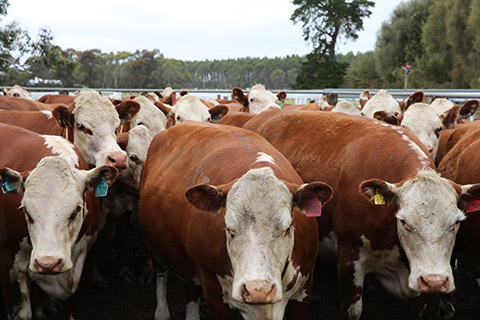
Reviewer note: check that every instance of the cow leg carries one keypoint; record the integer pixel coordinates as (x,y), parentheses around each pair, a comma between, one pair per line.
(192,301)
(161,311)
(121,236)
(351,275)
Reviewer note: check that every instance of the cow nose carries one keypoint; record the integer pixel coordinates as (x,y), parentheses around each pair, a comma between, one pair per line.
(48,264)
(258,292)
(117,160)
(434,283)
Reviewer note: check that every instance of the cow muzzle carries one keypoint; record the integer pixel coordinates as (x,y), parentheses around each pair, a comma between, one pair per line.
(434,283)
(48,265)
(117,160)
(258,292)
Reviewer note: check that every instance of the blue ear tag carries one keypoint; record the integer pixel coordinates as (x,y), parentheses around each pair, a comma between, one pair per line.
(6,187)
(101,189)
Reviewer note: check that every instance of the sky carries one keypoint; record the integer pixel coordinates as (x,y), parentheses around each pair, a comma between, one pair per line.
(182,29)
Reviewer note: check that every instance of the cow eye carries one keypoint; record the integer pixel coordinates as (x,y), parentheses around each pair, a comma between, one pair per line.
(405,225)
(455,226)
(230,232)
(437,132)
(134,158)
(85,130)
(74,214)
(287,232)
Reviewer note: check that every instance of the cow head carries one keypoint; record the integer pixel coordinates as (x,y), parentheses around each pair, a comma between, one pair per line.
(426,124)
(149,115)
(135,142)
(54,206)
(258,99)
(428,219)
(259,228)
(17,91)
(191,108)
(382,107)
(94,120)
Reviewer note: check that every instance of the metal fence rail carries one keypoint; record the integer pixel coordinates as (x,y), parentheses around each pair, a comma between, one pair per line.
(300,96)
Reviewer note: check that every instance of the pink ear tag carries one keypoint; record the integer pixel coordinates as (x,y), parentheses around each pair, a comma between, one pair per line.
(473,206)
(313,208)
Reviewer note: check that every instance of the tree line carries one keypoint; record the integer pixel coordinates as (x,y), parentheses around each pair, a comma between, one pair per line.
(439,39)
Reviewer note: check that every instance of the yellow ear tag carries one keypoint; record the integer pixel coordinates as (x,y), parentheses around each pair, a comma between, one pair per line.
(378,199)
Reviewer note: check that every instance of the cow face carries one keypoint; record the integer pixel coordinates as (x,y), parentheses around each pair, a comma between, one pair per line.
(149,116)
(259,229)
(190,107)
(427,222)
(135,142)
(94,120)
(54,206)
(258,99)
(382,107)
(17,91)
(423,121)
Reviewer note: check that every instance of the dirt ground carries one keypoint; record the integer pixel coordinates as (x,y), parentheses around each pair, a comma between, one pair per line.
(125,301)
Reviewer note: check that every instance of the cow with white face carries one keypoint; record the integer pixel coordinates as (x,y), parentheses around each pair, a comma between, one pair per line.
(232,185)
(442,106)
(93,123)
(346,107)
(258,99)
(17,91)
(191,108)
(383,106)
(52,216)
(426,124)
(148,115)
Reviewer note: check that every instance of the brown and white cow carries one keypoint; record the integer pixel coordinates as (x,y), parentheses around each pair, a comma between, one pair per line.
(17,91)
(382,106)
(391,215)
(90,126)
(232,210)
(422,120)
(443,105)
(347,107)
(48,218)
(191,108)
(57,98)
(258,99)
(149,115)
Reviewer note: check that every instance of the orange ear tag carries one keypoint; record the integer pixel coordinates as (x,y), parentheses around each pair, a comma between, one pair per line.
(313,208)
(378,199)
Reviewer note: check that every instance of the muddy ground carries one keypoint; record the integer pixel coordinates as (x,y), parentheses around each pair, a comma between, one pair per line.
(125,301)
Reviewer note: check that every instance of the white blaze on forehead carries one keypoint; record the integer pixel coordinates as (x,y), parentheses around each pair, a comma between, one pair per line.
(53,191)
(428,207)
(382,101)
(346,107)
(259,99)
(149,115)
(441,105)
(263,157)
(258,213)
(423,121)
(92,109)
(64,148)
(47,113)
(412,145)
(189,107)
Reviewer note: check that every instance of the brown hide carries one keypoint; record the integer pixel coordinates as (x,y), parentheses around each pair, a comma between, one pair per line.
(194,153)
(35,121)
(56,98)
(344,151)
(236,118)
(21,151)
(22,104)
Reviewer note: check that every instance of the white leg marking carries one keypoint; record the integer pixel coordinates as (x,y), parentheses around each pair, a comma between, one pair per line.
(161,312)
(192,310)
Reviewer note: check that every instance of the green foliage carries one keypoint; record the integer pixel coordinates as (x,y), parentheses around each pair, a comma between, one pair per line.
(362,72)
(319,72)
(325,21)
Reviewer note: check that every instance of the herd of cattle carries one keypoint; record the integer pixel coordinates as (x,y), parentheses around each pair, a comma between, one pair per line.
(239,198)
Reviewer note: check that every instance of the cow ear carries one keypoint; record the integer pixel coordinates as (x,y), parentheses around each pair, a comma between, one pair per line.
(206,197)
(218,112)
(467,193)
(415,97)
(164,108)
(281,96)
(383,116)
(239,96)
(172,98)
(449,117)
(304,194)
(364,97)
(378,192)
(469,108)
(127,109)
(95,175)
(63,116)
(12,181)
(122,140)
